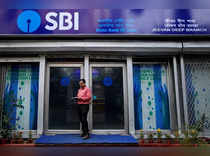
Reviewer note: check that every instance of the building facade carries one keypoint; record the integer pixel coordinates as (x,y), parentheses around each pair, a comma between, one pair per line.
(141,78)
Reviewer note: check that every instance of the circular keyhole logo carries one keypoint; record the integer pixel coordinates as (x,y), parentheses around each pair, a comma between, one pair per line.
(108,81)
(28,21)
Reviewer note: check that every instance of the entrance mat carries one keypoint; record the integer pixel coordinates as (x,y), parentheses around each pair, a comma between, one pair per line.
(94,139)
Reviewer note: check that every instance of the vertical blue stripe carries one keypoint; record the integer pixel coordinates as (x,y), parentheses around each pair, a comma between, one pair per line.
(161,100)
(165,107)
(13,93)
(7,93)
(6,98)
(157,91)
(34,97)
(137,97)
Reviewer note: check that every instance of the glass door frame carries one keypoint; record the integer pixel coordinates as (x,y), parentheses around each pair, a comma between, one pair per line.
(90,116)
(47,93)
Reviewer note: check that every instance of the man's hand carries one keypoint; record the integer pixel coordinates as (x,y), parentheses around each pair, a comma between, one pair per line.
(79,98)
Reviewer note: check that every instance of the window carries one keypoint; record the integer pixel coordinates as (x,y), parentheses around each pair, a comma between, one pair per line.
(151,99)
(19,86)
(197,77)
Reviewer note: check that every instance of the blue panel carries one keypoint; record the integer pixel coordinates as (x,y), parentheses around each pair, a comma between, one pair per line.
(161,100)
(137,97)
(165,107)
(34,97)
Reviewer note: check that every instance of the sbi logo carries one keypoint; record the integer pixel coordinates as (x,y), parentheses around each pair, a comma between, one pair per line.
(108,81)
(30,21)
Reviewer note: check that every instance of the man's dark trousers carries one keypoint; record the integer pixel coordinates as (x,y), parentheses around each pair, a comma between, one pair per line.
(82,112)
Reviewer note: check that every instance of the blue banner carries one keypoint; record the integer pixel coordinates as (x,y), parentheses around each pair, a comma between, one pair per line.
(93,17)
(105,4)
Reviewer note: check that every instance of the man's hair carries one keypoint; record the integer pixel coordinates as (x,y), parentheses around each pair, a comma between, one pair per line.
(83,80)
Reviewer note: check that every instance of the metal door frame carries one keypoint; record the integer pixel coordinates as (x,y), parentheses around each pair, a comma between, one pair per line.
(90,116)
(46,110)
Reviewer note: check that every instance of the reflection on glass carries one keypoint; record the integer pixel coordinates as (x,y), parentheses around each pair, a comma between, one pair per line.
(63,86)
(108,104)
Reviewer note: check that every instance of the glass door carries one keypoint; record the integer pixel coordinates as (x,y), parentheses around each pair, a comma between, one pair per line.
(108,109)
(63,84)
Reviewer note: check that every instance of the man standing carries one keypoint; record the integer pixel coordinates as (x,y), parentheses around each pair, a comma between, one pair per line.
(84,100)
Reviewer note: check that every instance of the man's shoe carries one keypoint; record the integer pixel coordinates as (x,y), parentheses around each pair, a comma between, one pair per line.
(82,135)
(85,137)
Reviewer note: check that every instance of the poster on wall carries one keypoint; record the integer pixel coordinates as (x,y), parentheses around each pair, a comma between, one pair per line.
(105,17)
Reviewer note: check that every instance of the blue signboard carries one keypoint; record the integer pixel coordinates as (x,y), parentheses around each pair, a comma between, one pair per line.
(93,17)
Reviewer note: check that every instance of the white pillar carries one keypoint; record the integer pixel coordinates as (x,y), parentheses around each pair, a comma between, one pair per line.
(177,92)
(86,70)
(86,77)
(131,116)
(40,123)
(184,91)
